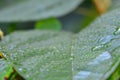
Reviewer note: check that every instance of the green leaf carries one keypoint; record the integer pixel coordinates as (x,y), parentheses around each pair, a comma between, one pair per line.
(5,70)
(29,10)
(46,49)
(48,24)
(92,54)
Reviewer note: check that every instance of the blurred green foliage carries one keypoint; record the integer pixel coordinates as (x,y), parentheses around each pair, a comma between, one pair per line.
(74,17)
(48,24)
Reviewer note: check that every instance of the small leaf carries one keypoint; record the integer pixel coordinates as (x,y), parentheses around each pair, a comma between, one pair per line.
(48,24)
(5,70)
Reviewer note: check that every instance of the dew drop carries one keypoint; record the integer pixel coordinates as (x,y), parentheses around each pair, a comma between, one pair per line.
(97,47)
(22,70)
(106,39)
(82,75)
(117,31)
(105,56)
(71,58)
(85,75)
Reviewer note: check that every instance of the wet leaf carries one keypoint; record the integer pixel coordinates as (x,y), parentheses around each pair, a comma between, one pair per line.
(52,55)
(43,47)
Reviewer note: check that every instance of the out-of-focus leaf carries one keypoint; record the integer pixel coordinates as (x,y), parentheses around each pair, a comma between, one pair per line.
(29,10)
(5,70)
(48,24)
(11,27)
(92,54)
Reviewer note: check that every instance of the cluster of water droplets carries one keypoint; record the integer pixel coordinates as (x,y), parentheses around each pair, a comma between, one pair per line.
(24,71)
(104,41)
(104,58)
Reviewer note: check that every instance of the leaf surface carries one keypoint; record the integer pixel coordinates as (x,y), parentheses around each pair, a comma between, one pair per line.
(92,54)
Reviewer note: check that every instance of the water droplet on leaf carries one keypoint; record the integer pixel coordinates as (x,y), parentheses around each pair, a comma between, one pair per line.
(97,47)
(82,75)
(106,39)
(85,75)
(71,58)
(101,58)
(22,70)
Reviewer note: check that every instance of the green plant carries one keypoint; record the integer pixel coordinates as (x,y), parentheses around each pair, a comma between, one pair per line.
(91,54)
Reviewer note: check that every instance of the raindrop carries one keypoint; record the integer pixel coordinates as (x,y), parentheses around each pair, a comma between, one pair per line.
(82,75)
(71,58)
(22,70)
(97,47)
(101,58)
(85,75)
(117,31)
(104,42)
(106,39)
